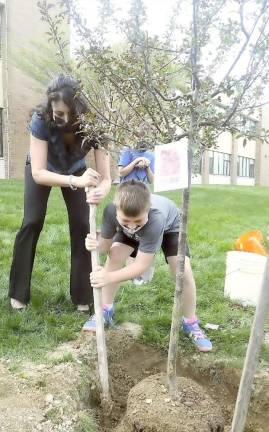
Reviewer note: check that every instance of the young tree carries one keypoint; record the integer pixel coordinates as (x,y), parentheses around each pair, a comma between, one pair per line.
(205,76)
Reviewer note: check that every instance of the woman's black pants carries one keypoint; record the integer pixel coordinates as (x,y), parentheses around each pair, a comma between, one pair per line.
(35,206)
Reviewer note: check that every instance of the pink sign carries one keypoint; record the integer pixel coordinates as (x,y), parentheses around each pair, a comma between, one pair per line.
(171,166)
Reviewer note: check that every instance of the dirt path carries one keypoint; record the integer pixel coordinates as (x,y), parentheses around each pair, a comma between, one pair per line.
(57,395)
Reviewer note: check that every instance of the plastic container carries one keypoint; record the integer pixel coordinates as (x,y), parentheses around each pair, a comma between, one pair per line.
(244,275)
(251,241)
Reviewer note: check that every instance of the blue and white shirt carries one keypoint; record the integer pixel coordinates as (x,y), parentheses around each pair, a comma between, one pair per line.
(127,156)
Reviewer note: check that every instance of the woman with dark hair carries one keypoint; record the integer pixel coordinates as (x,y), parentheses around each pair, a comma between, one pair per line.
(56,158)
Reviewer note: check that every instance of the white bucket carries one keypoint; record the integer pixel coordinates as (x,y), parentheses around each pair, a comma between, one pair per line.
(244,275)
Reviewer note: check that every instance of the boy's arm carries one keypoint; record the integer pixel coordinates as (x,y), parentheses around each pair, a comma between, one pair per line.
(141,263)
(101,278)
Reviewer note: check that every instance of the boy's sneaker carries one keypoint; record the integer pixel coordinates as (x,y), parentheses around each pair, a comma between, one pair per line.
(138,281)
(192,329)
(90,325)
(145,277)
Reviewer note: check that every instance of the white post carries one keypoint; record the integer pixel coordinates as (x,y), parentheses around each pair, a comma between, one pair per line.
(100,331)
(251,360)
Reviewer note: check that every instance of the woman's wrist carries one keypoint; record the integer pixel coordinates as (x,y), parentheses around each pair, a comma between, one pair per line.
(72,182)
(105,186)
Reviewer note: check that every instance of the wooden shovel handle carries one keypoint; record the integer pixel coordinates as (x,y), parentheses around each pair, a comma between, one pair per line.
(100,331)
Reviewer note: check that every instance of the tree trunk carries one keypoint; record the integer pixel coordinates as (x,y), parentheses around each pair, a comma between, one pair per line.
(176,322)
(192,143)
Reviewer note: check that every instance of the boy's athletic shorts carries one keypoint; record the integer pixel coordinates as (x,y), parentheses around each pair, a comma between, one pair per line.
(169,244)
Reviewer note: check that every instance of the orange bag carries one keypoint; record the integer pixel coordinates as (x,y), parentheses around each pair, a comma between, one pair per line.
(251,241)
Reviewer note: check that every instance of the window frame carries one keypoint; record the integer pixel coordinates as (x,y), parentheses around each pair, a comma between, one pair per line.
(245,167)
(219,163)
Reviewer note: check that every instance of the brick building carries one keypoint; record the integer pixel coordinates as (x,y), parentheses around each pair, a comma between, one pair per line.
(20,25)
(235,161)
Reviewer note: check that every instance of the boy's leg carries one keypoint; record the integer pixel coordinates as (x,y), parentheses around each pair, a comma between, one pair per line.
(190,322)
(189,291)
(116,259)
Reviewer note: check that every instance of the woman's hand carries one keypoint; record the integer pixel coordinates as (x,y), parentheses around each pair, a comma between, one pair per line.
(91,243)
(89,178)
(95,195)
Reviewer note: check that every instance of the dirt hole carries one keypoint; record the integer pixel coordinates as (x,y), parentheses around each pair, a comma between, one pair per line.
(131,362)
(56,395)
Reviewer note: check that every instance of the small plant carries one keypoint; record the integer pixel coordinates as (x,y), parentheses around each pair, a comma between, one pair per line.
(65,358)
(41,383)
(85,422)
(53,414)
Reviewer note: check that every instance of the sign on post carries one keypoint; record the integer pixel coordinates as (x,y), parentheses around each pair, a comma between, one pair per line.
(171,166)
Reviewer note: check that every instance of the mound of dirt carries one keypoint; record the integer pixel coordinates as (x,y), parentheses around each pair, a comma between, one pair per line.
(63,393)
(149,408)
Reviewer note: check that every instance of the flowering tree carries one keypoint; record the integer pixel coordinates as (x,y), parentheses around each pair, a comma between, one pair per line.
(206,75)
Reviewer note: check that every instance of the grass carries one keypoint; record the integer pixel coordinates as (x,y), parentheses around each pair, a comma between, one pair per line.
(218,215)
(86,422)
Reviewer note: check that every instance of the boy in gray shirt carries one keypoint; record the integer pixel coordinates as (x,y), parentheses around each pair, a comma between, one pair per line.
(138,224)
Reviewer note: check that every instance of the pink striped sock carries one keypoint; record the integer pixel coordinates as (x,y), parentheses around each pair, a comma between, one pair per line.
(190,320)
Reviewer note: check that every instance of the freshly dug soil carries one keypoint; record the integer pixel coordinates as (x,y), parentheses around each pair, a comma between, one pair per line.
(149,408)
(63,393)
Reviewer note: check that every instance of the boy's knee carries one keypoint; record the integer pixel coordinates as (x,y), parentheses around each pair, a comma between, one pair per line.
(117,254)
(114,254)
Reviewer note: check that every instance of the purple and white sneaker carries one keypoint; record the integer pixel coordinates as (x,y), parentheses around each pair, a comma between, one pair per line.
(192,329)
(90,324)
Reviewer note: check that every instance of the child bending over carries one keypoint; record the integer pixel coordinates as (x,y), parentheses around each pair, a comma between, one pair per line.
(138,224)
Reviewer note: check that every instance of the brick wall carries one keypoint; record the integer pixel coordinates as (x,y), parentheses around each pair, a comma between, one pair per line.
(23,92)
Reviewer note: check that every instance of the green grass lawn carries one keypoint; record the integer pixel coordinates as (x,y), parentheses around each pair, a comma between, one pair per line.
(218,215)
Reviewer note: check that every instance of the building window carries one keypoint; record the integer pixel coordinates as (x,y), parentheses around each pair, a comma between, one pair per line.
(1,134)
(249,125)
(219,163)
(245,167)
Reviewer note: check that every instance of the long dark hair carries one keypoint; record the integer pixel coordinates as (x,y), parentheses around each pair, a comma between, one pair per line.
(66,88)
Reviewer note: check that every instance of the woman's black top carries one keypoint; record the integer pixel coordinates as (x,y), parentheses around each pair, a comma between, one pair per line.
(65,155)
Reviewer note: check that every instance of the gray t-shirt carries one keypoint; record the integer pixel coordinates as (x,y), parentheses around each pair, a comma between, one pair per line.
(163,217)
